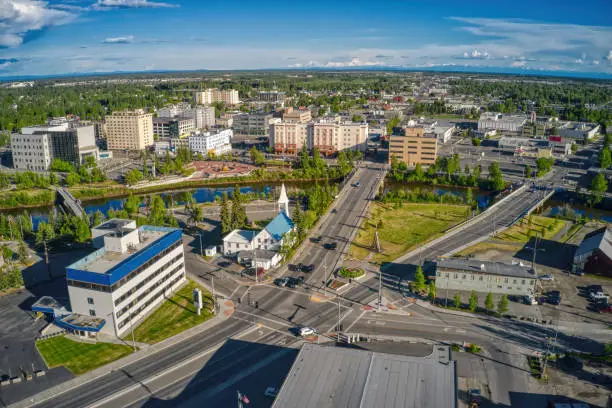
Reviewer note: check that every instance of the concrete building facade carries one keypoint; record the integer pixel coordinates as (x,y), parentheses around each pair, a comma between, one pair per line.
(216,142)
(484,276)
(212,95)
(329,136)
(173,127)
(291,115)
(501,122)
(132,130)
(134,271)
(203,116)
(411,145)
(252,124)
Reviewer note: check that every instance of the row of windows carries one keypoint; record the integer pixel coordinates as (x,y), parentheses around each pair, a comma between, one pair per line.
(480,277)
(137,299)
(125,279)
(152,276)
(151,300)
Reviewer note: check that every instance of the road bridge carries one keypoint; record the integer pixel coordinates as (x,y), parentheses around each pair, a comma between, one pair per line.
(68,202)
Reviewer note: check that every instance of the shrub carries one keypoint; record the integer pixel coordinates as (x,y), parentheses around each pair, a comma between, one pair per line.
(351,273)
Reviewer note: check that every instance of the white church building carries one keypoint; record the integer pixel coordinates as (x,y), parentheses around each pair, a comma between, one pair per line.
(261,246)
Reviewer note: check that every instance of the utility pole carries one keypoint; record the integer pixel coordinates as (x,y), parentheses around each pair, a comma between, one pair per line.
(212,282)
(47,260)
(379,288)
(201,252)
(324,280)
(338,328)
(132,330)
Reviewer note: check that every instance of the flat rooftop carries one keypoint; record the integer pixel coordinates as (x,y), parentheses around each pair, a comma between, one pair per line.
(81,322)
(333,377)
(107,260)
(485,267)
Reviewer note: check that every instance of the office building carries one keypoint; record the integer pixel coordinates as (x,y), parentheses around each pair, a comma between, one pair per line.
(291,115)
(484,276)
(411,145)
(323,376)
(272,96)
(203,116)
(501,122)
(212,95)
(578,131)
(173,127)
(36,146)
(252,124)
(216,142)
(130,130)
(328,135)
(134,270)
(225,120)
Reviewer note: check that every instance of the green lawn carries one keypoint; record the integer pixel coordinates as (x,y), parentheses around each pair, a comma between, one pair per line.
(79,357)
(405,227)
(543,227)
(173,316)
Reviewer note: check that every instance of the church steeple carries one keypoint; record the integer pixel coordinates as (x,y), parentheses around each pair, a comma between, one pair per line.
(283,201)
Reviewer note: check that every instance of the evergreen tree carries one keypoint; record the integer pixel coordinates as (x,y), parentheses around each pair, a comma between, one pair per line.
(419,279)
(432,292)
(132,204)
(502,306)
(82,232)
(226,216)
(298,221)
(457,301)
(489,302)
(22,252)
(98,218)
(473,301)
(157,211)
(239,217)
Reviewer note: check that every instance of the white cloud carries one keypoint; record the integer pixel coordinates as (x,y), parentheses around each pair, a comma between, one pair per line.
(580,61)
(119,40)
(609,57)
(106,4)
(519,64)
(595,62)
(354,62)
(19,17)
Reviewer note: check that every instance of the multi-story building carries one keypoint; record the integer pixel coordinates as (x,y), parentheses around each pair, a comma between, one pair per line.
(225,120)
(129,130)
(484,276)
(252,124)
(272,96)
(36,146)
(501,122)
(411,145)
(215,142)
(212,95)
(327,135)
(579,131)
(203,116)
(291,115)
(133,271)
(173,127)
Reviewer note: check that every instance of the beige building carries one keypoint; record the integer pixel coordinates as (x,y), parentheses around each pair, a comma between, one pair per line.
(328,135)
(129,130)
(211,95)
(412,145)
(291,115)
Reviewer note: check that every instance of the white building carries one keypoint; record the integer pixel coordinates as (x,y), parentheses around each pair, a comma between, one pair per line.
(36,146)
(501,121)
(134,271)
(173,127)
(271,238)
(443,133)
(203,116)
(578,130)
(216,142)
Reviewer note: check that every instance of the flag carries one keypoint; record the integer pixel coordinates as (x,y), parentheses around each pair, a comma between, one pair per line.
(245,399)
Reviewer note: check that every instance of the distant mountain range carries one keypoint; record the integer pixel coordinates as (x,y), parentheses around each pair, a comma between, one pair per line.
(444,69)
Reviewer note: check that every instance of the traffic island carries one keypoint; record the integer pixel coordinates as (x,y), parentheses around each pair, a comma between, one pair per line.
(175,315)
(79,357)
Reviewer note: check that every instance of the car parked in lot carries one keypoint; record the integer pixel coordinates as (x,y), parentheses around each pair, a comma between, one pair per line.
(545,277)
(530,300)
(308,268)
(281,282)
(554,297)
(331,246)
(271,392)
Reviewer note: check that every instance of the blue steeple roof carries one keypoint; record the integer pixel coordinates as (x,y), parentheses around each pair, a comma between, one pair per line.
(280,225)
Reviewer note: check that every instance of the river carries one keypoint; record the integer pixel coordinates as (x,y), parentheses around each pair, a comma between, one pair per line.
(483,197)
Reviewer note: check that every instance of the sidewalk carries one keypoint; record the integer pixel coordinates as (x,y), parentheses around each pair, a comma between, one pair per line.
(226,310)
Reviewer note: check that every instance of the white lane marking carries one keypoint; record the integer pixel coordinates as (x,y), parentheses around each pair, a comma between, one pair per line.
(348,329)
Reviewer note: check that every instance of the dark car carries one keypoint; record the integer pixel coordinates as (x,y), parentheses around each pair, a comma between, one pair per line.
(554,297)
(308,268)
(331,246)
(594,289)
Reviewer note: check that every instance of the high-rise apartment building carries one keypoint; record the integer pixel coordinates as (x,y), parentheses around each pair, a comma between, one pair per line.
(252,124)
(411,145)
(129,130)
(36,146)
(291,115)
(327,135)
(203,116)
(211,95)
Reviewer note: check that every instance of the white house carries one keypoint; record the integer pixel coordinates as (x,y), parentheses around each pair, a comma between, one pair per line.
(269,239)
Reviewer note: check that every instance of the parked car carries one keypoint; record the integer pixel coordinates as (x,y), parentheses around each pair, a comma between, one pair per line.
(306,331)
(554,297)
(545,277)
(596,291)
(271,392)
(599,296)
(530,300)
(308,268)
(357,184)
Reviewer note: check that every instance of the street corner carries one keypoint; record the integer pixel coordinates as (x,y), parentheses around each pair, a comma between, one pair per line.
(229,308)
(319,298)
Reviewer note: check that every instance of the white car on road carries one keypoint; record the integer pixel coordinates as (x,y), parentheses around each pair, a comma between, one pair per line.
(307,331)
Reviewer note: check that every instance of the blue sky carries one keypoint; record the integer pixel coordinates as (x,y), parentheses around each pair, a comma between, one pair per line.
(83,36)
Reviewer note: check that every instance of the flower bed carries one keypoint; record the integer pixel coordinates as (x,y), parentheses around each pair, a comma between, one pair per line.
(351,273)
(336,284)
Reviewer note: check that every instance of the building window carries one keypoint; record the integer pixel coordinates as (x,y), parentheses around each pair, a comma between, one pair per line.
(464,276)
(92,312)
(523,282)
(480,277)
(90,301)
(456,276)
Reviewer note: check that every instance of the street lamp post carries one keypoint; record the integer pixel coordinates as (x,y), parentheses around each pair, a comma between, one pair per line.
(201,252)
